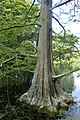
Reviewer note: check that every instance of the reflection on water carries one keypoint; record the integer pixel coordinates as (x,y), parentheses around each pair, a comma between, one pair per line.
(74,112)
(76,92)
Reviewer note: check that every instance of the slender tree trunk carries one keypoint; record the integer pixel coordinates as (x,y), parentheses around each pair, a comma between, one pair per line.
(45,91)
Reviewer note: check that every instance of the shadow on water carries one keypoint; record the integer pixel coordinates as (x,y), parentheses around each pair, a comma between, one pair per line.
(74,112)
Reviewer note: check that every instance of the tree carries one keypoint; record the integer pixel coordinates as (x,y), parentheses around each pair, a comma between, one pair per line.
(45,91)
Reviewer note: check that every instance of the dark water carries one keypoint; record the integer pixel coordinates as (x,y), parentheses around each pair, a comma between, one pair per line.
(74,112)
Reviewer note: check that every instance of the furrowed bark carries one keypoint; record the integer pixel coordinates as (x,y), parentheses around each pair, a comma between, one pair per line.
(44,91)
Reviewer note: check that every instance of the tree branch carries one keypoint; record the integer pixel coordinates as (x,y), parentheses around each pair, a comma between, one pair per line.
(19,26)
(5,47)
(65,52)
(32,5)
(1,65)
(64,74)
(8,60)
(61,4)
(35,17)
(4,73)
(59,22)
(60,25)
(29,55)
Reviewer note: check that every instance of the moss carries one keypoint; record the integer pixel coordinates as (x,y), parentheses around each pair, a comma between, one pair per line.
(63,110)
(61,113)
(47,113)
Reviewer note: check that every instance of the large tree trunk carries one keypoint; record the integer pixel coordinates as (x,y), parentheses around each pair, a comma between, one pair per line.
(45,91)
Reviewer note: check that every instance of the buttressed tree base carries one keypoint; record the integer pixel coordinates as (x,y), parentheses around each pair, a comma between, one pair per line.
(46,91)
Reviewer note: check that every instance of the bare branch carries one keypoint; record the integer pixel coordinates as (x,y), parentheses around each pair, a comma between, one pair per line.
(60,25)
(61,4)
(58,22)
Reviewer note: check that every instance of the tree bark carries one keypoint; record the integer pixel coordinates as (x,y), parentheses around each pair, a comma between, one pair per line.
(45,91)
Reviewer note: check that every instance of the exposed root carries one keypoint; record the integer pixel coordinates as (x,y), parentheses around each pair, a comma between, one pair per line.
(33,97)
(62,104)
(64,100)
(50,103)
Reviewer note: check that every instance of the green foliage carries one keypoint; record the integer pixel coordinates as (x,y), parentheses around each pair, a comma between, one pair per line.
(17,42)
(65,56)
(13,85)
(14,76)
(16,13)
(18,61)
(64,49)
(23,111)
(17,50)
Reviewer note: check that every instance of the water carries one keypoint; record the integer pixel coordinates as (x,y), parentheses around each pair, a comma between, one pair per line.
(74,112)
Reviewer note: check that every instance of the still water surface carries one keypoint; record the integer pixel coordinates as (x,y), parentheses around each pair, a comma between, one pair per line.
(74,112)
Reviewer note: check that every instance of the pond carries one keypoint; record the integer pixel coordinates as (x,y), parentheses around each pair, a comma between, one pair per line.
(74,112)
